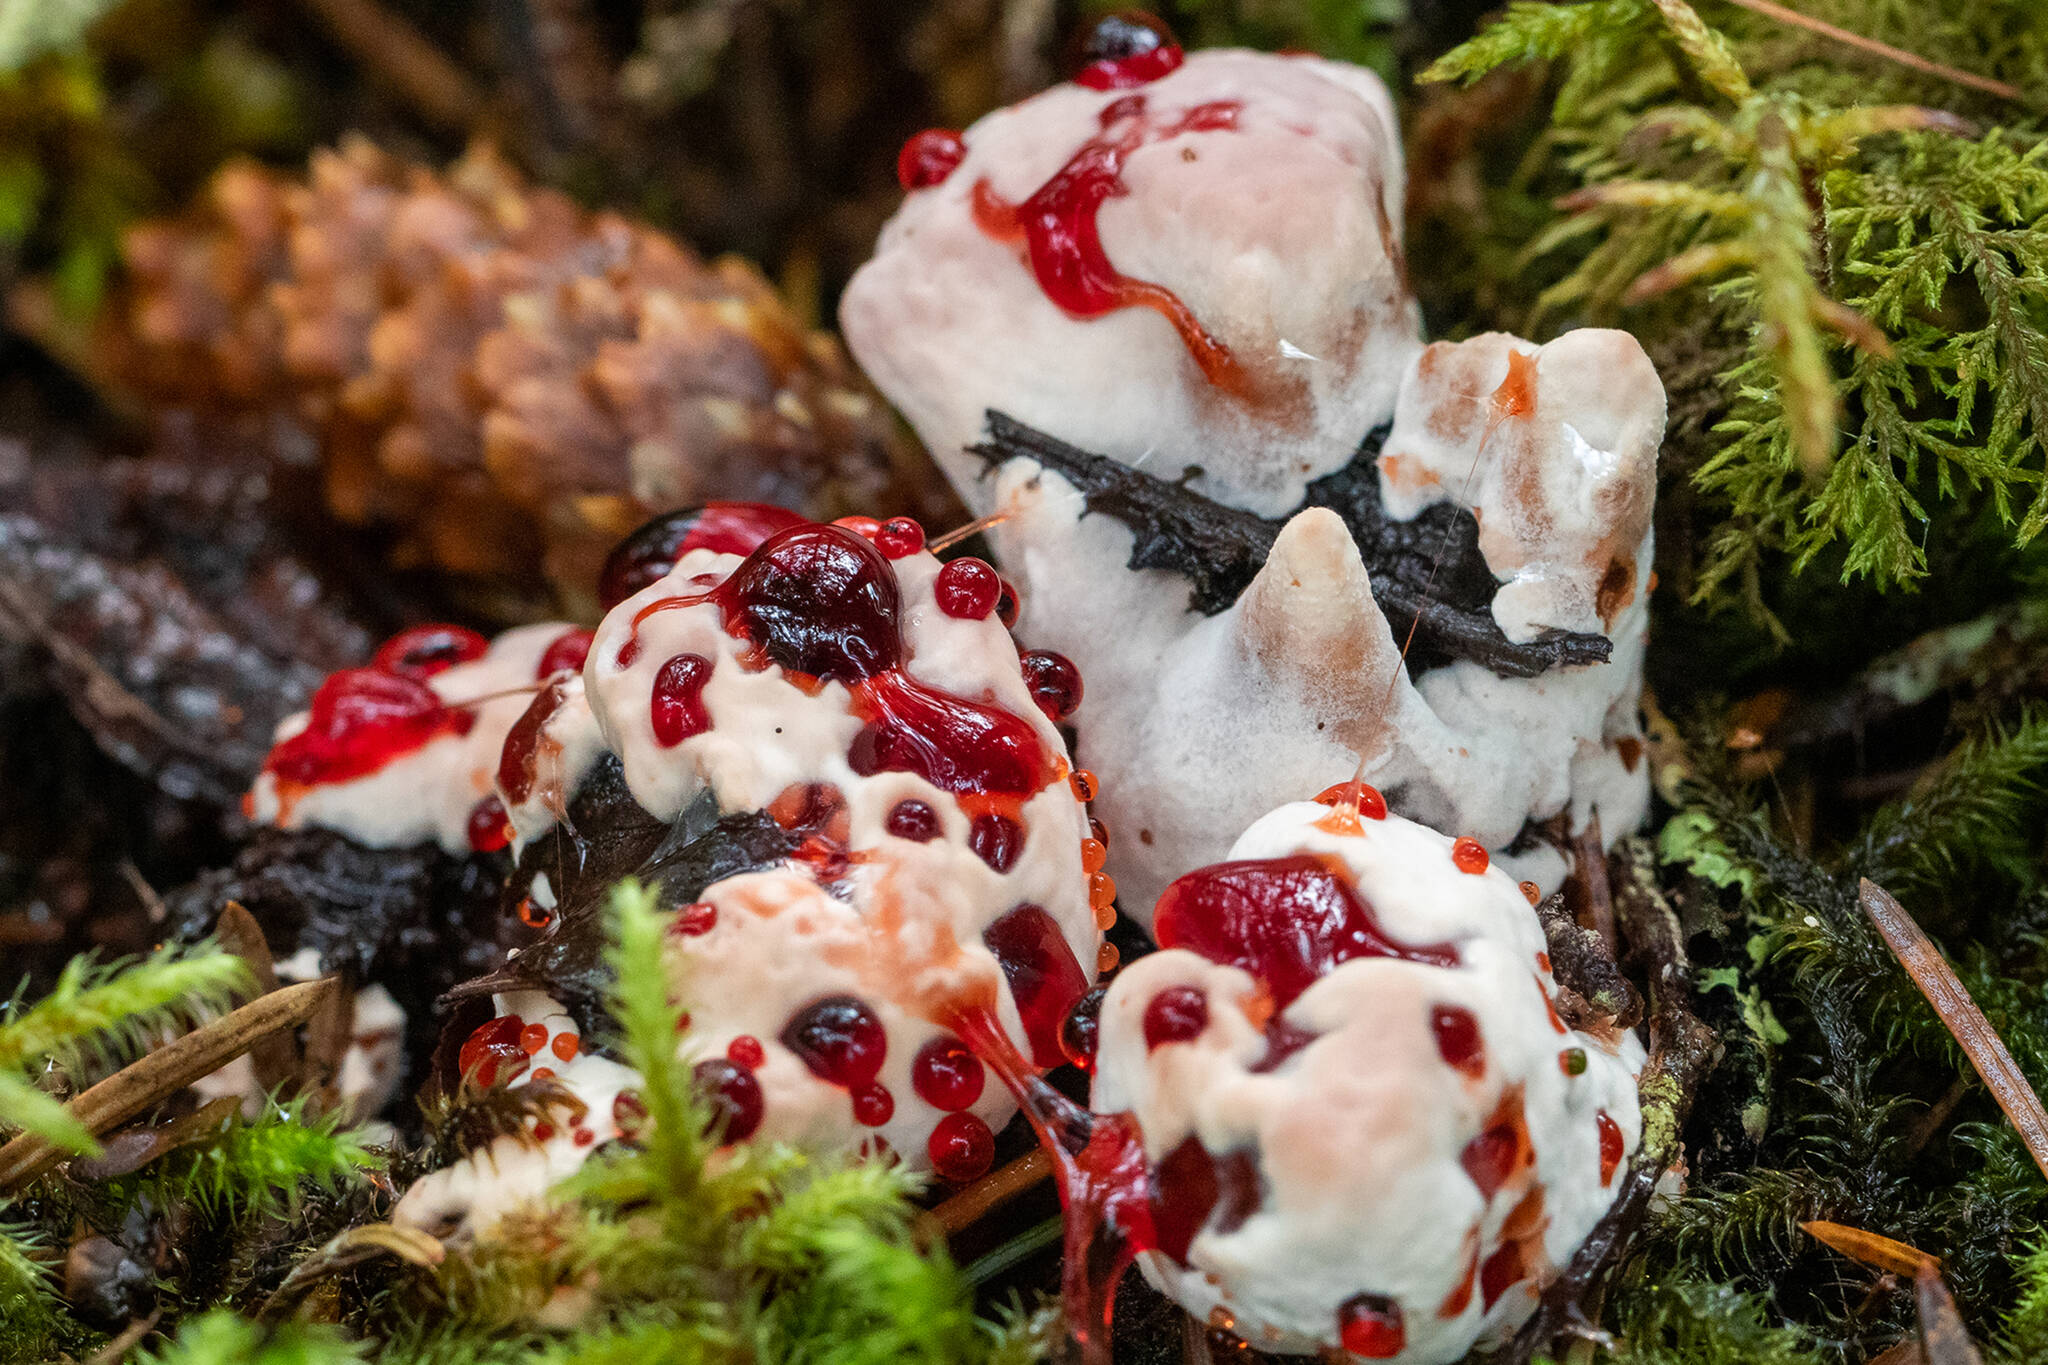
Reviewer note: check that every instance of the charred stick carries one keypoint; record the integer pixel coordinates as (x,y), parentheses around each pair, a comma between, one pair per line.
(1219,549)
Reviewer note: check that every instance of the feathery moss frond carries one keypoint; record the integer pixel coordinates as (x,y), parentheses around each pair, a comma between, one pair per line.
(265,1166)
(100,1015)
(222,1338)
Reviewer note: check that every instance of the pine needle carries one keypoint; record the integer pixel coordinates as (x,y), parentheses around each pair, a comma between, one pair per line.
(1869,1247)
(1973,1032)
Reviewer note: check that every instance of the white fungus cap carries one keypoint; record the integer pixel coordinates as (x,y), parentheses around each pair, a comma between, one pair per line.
(897,923)
(1358,1141)
(1280,233)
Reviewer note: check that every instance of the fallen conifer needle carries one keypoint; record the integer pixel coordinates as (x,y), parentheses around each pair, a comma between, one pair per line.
(1943,1338)
(1870,1248)
(169,1069)
(1980,1042)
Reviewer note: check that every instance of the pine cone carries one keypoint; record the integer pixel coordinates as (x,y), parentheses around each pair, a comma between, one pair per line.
(512,382)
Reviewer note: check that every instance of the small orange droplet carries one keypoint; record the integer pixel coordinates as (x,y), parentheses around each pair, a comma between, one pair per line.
(1105,915)
(542,1073)
(531,915)
(565,1045)
(1532,891)
(1093,855)
(1469,855)
(533,1038)
(1106,958)
(1364,799)
(1101,890)
(1083,783)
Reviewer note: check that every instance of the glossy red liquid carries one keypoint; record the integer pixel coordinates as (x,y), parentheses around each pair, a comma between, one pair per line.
(996,840)
(1175,1015)
(928,158)
(565,655)
(360,720)
(1470,855)
(1287,921)
(1458,1040)
(1366,800)
(840,1039)
(694,919)
(873,1105)
(1370,1325)
(913,820)
(955,744)
(899,538)
(746,1049)
(735,1097)
(518,760)
(676,706)
(1612,1145)
(422,651)
(961,1148)
(650,552)
(1125,73)
(1502,1150)
(1044,978)
(967,589)
(946,1075)
(1057,224)
(1080,1029)
(488,829)
(1054,682)
(492,1053)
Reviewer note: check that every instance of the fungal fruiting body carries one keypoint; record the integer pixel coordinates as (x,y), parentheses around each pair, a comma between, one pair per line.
(1195,270)
(1364,1123)
(902,841)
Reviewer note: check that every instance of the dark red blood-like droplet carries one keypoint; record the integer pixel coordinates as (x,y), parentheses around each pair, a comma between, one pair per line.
(489,831)
(873,1105)
(913,820)
(1458,1040)
(996,840)
(1007,604)
(677,703)
(1125,49)
(1502,1148)
(819,600)
(1287,921)
(839,1039)
(955,744)
(519,760)
(899,537)
(1079,1030)
(746,1049)
(865,527)
(492,1053)
(1370,1325)
(1098,831)
(1612,1144)
(967,589)
(1044,978)
(565,655)
(735,1097)
(961,1148)
(422,651)
(1054,682)
(1365,799)
(1175,1015)
(1057,223)
(360,720)
(946,1075)
(1499,1273)
(929,157)
(1184,1192)
(1469,855)
(650,552)
(698,917)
